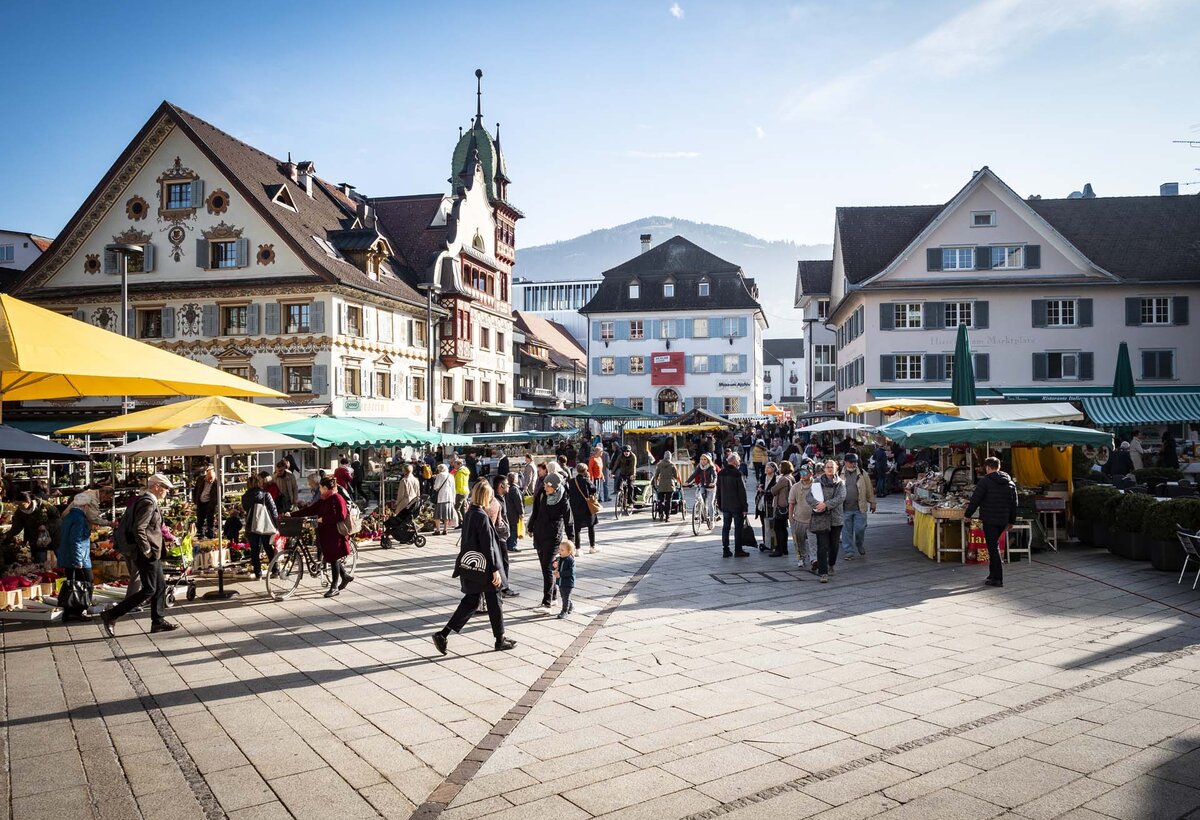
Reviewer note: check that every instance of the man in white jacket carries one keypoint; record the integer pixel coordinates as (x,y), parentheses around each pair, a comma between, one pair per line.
(1136,451)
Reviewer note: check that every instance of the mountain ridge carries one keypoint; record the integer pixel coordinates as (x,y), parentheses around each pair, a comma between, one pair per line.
(770,262)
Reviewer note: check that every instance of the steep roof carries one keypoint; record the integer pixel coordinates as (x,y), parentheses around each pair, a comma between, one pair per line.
(41,242)
(407,221)
(556,337)
(780,349)
(684,263)
(814,277)
(257,176)
(1138,238)
(872,237)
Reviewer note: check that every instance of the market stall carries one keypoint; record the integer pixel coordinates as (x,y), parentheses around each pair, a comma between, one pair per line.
(1040,455)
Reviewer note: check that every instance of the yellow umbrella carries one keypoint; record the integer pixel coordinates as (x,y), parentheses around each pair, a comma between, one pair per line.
(773,411)
(172,416)
(912,405)
(44,355)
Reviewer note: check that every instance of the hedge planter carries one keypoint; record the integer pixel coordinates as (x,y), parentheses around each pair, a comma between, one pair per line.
(1103,538)
(1166,556)
(1084,531)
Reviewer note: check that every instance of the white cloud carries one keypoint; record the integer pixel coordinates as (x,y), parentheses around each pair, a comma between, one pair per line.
(635,154)
(677,11)
(956,46)
(759,132)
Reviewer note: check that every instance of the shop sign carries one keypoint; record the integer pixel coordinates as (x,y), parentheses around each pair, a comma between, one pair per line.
(667,368)
(745,385)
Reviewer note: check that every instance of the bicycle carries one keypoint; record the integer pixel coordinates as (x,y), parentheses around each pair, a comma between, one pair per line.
(701,515)
(288,566)
(623,503)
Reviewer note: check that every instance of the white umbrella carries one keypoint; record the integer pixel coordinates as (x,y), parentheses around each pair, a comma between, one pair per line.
(834,426)
(214,437)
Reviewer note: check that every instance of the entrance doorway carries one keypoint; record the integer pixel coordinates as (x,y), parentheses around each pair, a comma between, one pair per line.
(668,402)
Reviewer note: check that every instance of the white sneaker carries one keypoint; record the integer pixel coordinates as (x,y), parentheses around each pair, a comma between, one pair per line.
(593,549)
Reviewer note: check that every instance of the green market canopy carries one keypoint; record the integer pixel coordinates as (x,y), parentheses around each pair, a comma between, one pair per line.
(1131,411)
(996,432)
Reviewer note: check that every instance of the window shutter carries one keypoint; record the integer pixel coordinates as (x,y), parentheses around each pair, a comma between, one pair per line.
(368,322)
(210,315)
(979,315)
(689,404)
(742,363)
(396,387)
(621,330)
(1084,313)
(197,193)
(622,365)
(202,254)
(887,368)
(933,259)
(1179,310)
(168,323)
(343,318)
(1148,362)
(595,332)
(243,253)
(320,378)
(685,328)
(983,258)
(934,367)
(412,332)
(1133,311)
(934,316)
(366,385)
(887,316)
(148,258)
(595,365)
(112,262)
(1087,366)
(253,314)
(316,317)
(275,377)
(716,363)
(743,325)
(983,363)
(687,363)
(1039,314)
(622,403)
(1033,256)
(339,381)
(1040,366)
(272,319)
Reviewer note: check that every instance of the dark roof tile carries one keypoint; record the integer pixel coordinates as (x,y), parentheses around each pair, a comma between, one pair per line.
(814,277)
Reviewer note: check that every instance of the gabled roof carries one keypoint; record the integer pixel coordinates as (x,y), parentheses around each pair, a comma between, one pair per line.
(814,277)
(407,221)
(780,349)
(41,242)
(685,264)
(256,175)
(872,237)
(563,347)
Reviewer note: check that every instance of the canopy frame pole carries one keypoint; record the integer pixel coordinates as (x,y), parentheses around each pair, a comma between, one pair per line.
(220,593)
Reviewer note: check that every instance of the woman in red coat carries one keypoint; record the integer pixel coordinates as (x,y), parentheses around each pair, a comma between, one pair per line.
(331,509)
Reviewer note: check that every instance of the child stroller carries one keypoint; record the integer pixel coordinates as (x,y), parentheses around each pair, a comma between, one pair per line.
(674,504)
(401,529)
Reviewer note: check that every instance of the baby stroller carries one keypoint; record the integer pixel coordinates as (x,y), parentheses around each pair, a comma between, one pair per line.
(674,504)
(401,529)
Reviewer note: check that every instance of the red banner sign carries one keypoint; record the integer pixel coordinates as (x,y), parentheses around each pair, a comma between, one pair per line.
(977,548)
(666,368)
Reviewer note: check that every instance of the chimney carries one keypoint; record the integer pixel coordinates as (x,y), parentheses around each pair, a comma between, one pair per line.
(306,171)
(1168,189)
(347,189)
(364,211)
(289,168)
(645,242)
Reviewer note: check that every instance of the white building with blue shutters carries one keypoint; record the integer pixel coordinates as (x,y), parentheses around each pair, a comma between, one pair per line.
(676,328)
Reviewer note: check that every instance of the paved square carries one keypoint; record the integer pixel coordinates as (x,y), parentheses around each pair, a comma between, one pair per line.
(685,685)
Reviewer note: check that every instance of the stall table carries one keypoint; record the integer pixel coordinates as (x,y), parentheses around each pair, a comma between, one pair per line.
(934,536)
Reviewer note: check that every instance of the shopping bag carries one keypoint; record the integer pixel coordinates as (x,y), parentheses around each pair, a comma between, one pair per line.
(75,595)
(521,526)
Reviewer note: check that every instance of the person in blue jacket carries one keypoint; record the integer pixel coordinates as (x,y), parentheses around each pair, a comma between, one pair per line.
(75,551)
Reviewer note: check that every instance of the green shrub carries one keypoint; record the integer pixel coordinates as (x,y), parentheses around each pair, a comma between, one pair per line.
(1152,475)
(1089,502)
(1170,515)
(1132,512)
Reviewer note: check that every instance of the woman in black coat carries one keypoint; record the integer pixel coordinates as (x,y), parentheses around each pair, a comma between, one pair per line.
(579,490)
(480,570)
(259,541)
(549,524)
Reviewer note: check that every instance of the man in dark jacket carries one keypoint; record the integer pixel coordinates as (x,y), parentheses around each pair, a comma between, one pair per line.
(145,535)
(624,468)
(995,498)
(732,502)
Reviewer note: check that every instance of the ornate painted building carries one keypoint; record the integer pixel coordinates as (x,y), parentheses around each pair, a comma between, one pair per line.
(259,266)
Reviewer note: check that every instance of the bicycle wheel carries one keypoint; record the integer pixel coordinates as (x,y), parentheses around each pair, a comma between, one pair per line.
(697,517)
(618,503)
(284,574)
(351,560)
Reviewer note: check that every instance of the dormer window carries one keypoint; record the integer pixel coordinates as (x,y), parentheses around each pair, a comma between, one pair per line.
(669,290)
(635,290)
(283,198)
(703,288)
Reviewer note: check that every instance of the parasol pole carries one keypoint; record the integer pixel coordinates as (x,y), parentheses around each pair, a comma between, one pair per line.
(220,592)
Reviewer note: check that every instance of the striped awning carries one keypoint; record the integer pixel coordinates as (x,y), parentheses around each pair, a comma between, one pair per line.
(1109,411)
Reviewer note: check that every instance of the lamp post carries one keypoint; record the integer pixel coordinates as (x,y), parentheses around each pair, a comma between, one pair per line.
(808,323)
(430,289)
(124,250)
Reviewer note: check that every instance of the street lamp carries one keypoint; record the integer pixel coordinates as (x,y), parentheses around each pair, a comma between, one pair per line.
(430,289)
(124,251)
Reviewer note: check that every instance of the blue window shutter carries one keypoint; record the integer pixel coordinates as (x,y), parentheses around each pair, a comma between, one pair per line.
(622,402)
(252,316)
(1179,310)
(622,365)
(1087,366)
(595,365)
(595,331)
(687,364)
(742,363)
(317,317)
(1083,316)
(1041,367)
(243,253)
(887,368)
(742,324)
(202,254)
(275,377)
(197,193)
(168,323)
(689,404)
(685,331)
(933,259)
(320,378)
(148,258)
(983,367)
(655,329)
(743,404)
(1039,314)
(1133,311)
(980,317)
(112,262)
(1033,256)
(210,317)
(934,367)
(887,318)
(272,319)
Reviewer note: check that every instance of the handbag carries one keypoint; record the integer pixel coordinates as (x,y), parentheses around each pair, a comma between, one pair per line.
(75,595)
(592,504)
(260,520)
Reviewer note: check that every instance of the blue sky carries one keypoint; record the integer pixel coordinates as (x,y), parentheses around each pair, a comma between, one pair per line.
(762,116)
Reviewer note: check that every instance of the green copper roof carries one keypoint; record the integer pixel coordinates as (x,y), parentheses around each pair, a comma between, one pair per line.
(489,154)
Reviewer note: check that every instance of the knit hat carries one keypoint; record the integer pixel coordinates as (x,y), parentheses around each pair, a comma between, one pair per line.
(552,480)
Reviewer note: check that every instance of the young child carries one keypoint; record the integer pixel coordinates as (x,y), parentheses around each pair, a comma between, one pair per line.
(565,574)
